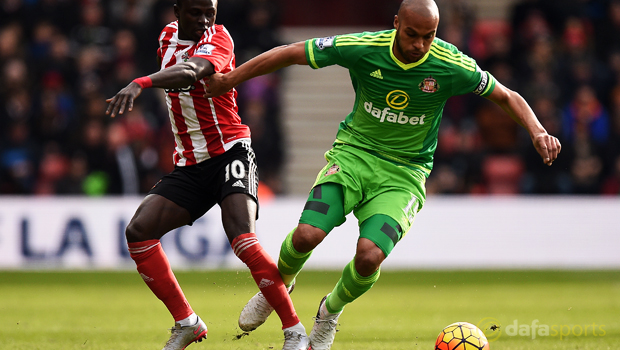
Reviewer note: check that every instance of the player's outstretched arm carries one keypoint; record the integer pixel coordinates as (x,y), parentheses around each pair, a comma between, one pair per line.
(178,76)
(265,63)
(547,146)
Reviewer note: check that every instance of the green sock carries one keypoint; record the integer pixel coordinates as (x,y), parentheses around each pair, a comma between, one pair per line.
(291,261)
(350,287)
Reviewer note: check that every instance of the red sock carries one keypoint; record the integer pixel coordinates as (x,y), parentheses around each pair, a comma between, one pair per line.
(265,273)
(155,270)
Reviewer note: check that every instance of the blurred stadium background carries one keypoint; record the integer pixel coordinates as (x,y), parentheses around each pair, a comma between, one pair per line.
(71,177)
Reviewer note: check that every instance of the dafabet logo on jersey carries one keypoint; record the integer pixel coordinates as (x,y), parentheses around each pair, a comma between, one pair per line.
(396,100)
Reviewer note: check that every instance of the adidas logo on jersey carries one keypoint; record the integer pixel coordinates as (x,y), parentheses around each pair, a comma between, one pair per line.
(238,184)
(265,283)
(377,74)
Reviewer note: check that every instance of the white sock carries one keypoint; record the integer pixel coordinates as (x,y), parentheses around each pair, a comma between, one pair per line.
(325,313)
(189,320)
(299,328)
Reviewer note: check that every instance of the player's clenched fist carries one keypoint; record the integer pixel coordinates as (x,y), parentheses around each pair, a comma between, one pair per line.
(217,85)
(548,147)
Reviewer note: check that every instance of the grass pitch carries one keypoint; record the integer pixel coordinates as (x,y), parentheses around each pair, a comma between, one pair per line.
(404,310)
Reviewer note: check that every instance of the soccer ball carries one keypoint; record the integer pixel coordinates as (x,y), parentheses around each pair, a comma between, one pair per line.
(461,336)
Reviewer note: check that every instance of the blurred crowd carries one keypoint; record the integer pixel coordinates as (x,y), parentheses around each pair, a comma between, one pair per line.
(61,59)
(563,57)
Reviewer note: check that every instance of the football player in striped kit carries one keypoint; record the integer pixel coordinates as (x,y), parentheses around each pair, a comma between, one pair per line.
(214,164)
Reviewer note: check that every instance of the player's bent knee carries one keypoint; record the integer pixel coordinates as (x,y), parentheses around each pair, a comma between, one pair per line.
(368,260)
(135,233)
(307,237)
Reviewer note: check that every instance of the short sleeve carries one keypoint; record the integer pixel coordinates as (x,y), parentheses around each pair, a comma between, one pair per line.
(468,79)
(322,52)
(217,49)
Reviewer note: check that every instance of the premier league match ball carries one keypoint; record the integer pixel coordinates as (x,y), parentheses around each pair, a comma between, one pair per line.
(461,336)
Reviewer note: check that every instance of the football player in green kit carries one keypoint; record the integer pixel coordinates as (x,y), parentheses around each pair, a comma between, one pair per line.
(384,148)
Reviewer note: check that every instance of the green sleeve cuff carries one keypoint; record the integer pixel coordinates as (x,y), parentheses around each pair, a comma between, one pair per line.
(310,54)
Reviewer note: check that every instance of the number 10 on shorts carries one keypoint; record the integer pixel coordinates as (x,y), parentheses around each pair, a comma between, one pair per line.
(236,169)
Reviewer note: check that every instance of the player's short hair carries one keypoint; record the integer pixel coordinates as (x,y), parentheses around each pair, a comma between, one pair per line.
(179,2)
(427,8)
(215,2)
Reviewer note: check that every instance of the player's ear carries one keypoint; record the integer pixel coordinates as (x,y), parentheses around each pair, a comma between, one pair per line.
(175,8)
(396,22)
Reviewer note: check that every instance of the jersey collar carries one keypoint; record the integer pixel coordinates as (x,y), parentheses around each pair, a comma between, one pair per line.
(405,66)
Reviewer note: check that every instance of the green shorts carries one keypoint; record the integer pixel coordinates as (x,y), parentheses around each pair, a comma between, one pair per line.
(372,185)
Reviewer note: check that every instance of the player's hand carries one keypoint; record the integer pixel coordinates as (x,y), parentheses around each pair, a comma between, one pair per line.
(122,99)
(217,85)
(548,147)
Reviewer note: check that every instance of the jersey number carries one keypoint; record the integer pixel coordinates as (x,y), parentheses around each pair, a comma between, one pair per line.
(236,168)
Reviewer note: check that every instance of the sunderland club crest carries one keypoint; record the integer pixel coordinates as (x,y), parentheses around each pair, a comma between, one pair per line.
(332,170)
(429,85)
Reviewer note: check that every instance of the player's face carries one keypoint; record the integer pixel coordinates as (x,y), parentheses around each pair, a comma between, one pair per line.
(414,36)
(195,16)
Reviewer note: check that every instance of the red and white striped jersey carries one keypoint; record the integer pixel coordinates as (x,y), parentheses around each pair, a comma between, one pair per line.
(203,127)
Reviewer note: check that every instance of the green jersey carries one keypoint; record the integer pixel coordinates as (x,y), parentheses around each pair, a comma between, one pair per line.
(398,106)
